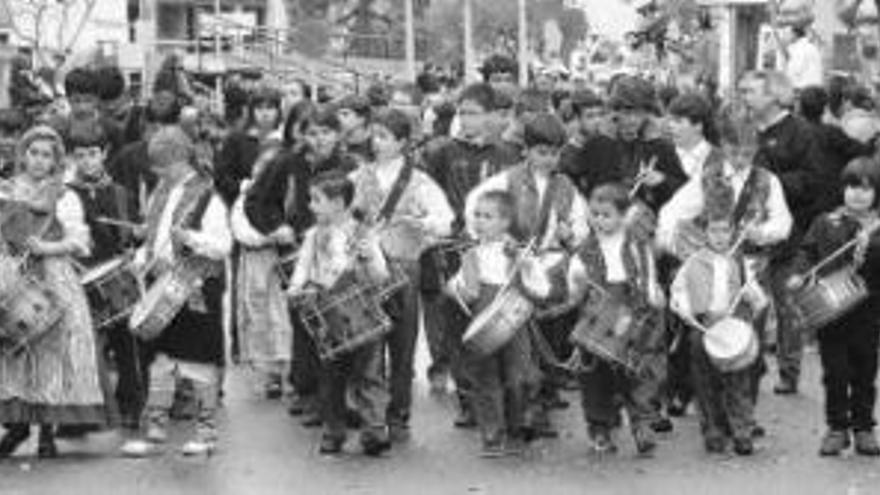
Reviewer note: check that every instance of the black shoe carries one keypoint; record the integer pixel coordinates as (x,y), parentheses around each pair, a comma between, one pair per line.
(331,444)
(298,405)
(758,431)
(785,387)
(465,419)
(312,420)
(743,446)
(645,442)
(662,425)
(714,445)
(13,438)
(398,432)
(74,431)
(866,443)
(375,445)
(274,391)
(46,448)
(834,442)
(600,439)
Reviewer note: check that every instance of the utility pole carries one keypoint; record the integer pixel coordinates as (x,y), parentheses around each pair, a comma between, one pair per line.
(218,49)
(523,45)
(470,62)
(410,41)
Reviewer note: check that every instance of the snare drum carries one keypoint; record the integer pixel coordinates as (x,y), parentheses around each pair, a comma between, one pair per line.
(731,344)
(112,289)
(344,318)
(609,329)
(825,299)
(498,323)
(167,296)
(27,313)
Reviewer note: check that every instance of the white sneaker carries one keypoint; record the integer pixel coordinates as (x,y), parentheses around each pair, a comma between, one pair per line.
(137,448)
(197,447)
(156,434)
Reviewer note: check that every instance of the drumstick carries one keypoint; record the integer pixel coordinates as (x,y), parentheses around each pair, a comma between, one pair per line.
(458,300)
(118,223)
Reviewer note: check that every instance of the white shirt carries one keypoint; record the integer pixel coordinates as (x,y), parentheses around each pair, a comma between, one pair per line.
(720,299)
(687,204)
(804,65)
(214,238)
(692,160)
(577,219)
(612,253)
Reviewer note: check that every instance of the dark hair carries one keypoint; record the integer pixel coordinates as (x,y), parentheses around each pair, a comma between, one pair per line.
(503,200)
(265,95)
(80,81)
(335,185)
(297,120)
(396,121)
(858,96)
(612,193)
(696,108)
(86,134)
(544,129)
(323,117)
(445,113)
(583,99)
(496,64)
(428,83)
(378,94)
(110,82)
(863,171)
(235,103)
(304,87)
(813,101)
(480,93)
(836,87)
(356,103)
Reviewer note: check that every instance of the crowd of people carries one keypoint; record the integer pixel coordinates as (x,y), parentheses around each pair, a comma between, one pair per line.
(608,239)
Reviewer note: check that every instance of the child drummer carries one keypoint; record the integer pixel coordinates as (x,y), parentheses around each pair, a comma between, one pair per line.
(848,346)
(87,145)
(622,265)
(500,383)
(704,291)
(331,252)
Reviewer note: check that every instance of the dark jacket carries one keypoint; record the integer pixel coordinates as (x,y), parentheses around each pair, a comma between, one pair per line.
(234,163)
(130,168)
(603,159)
(838,149)
(110,200)
(264,203)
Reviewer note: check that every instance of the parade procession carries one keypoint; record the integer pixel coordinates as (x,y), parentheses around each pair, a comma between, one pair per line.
(468,245)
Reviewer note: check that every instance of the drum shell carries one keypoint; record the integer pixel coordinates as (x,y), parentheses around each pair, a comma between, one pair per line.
(495,326)
(27,313)
(113,293)
(345,318)
(157,309)
(609,329)
(826,299)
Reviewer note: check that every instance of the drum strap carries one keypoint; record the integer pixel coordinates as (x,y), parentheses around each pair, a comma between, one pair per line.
(396,193)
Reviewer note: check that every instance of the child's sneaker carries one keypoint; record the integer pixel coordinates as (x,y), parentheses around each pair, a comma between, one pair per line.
(137,447)
(198,447)
(834,442)
(156,434)
(866,443)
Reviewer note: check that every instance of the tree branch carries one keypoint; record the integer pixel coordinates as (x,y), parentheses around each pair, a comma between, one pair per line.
(87,14)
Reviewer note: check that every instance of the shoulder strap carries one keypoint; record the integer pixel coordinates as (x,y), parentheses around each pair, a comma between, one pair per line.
(554,187)
(393,198)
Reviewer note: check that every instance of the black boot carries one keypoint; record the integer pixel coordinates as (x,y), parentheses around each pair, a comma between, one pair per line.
(46,448)
(16,434)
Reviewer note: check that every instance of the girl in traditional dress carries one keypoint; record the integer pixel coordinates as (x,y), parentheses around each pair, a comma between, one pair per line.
(262,319)
(53,380)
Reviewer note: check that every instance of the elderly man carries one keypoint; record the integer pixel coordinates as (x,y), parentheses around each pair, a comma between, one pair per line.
(785,148)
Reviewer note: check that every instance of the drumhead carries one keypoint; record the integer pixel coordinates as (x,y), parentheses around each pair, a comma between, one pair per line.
(101,270)
(728,338)
(145,306)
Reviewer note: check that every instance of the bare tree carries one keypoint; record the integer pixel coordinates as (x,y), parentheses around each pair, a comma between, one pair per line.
(51,27)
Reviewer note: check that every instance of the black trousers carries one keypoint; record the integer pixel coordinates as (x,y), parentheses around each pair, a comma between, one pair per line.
(305,367)
(848,350)
(131,359)
(403,309)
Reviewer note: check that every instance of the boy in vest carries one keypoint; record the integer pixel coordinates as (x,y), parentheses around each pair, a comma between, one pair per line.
(704,291)
(547,209)
(187,221)
(104,199)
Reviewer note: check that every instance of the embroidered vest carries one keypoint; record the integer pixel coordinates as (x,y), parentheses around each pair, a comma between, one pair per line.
(699,276)
(560,190)
(635,261)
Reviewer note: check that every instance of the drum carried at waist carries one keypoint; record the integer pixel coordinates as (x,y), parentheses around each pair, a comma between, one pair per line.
(731,344)
(347,316)
(113,290)
(498,323)
(823,300)
(167,296)
(29,310)
(612,331)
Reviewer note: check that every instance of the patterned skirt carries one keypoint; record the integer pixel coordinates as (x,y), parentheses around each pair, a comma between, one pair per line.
(265,333)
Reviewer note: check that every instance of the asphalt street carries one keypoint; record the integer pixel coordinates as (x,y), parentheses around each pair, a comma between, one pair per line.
(264,451)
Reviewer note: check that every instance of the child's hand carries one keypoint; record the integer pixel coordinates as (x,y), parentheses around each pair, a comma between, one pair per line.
(284,235)
(37,246)
(794,282)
